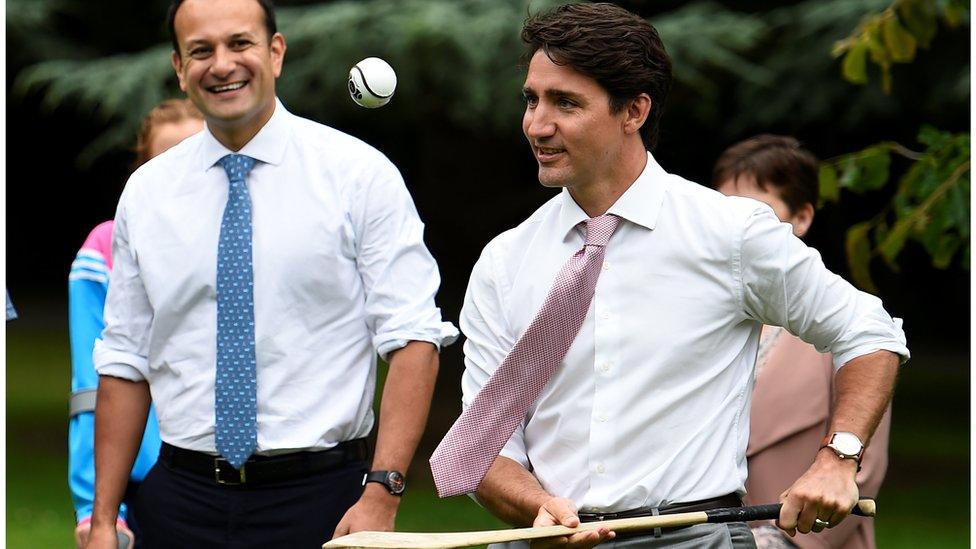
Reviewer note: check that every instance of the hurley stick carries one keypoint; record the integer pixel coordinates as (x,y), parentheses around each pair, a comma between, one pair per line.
(446,540)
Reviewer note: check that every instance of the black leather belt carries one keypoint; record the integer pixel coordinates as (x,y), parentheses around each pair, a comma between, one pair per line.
(729,500)
(263,469)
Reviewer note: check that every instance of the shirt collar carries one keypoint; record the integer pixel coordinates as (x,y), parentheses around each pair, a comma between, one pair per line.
(640,203)
(267,146)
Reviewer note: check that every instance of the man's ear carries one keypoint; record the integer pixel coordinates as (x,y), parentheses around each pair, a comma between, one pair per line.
(637,110)
(178,67)
(278,48)
(802,219)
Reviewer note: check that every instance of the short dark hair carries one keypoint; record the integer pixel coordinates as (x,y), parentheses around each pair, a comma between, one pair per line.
(266,5)
(777,161)
(618,49)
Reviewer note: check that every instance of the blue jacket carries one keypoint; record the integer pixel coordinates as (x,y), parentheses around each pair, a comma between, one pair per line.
(87,288)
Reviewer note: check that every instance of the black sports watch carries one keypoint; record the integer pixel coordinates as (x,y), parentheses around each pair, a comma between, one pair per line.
(393,480)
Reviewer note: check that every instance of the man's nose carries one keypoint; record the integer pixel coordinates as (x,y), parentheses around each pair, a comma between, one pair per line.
(223,62)
(539,123)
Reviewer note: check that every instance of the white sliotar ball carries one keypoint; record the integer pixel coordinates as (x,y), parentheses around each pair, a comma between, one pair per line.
(372,82)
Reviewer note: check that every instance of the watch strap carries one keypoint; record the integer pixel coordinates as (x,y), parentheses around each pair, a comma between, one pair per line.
(393,480)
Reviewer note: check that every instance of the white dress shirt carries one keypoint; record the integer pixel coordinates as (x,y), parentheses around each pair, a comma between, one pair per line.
(651,404)
(341,272)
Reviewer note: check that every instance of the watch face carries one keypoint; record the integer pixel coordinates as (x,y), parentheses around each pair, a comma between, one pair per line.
(396,482)
(846,443)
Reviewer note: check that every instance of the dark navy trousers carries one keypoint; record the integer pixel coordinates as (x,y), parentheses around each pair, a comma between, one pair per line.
(181,509)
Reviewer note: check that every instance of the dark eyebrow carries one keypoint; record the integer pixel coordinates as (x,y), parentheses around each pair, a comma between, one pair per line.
(240,35)
(563,94)
(198,42)
(204,42)
(555,94)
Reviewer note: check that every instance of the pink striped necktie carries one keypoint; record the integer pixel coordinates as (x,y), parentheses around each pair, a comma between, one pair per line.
(462,459)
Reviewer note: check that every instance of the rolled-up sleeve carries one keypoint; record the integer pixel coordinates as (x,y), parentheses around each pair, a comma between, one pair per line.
(399,274)
(487,342)
(785,283)
(123,349)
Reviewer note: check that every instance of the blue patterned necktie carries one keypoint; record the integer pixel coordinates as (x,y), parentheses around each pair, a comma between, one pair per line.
(235,388)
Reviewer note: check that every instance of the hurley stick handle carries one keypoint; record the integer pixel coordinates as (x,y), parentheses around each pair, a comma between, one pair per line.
(446,540)
(865,507)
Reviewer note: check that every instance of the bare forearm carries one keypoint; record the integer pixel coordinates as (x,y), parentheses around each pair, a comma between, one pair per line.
(827,491)
(511,493)
(862,391)
(120,420)
(406,403)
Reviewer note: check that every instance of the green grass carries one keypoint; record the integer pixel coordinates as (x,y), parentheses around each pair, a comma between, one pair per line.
(924,502)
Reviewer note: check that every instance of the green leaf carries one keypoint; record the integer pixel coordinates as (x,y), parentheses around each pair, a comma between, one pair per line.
(858,248)
(920,18)
(850,173)
(854,67)
(959,204)
(894,242)
(954,14)
(900,42)
(932,137)
(879,53)
(881,231)
(875,164)
(829,188)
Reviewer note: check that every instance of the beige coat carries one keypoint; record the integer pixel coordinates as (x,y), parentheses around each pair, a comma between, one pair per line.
(790,409)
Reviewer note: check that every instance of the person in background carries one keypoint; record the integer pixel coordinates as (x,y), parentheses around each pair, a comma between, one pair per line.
(166,125)
(792,398)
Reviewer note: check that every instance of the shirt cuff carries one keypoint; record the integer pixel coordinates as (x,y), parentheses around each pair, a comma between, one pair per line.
(893,341)
(111,362)
(866,349)
(441,336)
(120,370)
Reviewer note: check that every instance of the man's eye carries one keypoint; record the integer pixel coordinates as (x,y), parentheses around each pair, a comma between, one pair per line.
(566,104)
(240,44)
(199,53)
(530,100)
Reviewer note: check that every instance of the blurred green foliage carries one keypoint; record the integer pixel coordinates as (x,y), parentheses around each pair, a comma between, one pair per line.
(894,36)
(456,59)
(931,200)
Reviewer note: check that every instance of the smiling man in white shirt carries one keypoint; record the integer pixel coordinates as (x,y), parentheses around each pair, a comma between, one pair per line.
(260,267)
(647,412)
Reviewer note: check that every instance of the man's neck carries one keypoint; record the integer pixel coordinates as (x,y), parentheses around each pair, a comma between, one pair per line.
(597,197)
(235,136)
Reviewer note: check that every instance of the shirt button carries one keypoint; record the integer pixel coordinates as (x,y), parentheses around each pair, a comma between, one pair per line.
(605,367)
(606,265)
(600,469)
(601,417)
(605,316)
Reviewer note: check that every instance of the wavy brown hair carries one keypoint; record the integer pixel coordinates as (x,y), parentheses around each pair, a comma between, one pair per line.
(170,111)
(618,49)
